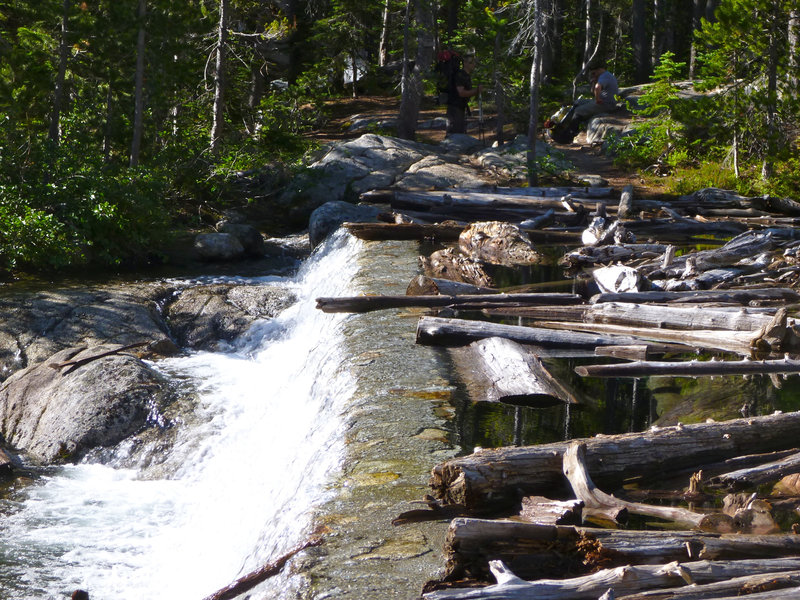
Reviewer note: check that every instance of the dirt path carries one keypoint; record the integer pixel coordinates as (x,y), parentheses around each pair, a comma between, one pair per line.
(588,160)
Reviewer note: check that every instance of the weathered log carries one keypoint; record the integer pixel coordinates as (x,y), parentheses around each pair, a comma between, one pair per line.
(760,474)
(500,197)
(592,255)
(541,510)
(740,342)
(543,551)
(676,317)
(500,476)
(252,579)
(458,332)
(500,370)
(692,368)
(670,230)
(362,304)
(404,231)
(498,243)
(594,498)
(776,586)
(625,207)
(737,296)
(626,581)
(641,352)
(422,285)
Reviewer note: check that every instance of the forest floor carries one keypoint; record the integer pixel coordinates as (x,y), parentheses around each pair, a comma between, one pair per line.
(587,159)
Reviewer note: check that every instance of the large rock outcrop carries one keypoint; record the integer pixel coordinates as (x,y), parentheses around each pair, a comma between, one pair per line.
(57,414)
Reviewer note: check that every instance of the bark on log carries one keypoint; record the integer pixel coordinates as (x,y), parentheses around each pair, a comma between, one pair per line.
(431,286)
(362,304)
(693,368)
(499,370)
(735,296)
(626,581)
(594,498)
(777,586)
(458,332)
(494,478)
(641,352)
(543,511)
(543,551)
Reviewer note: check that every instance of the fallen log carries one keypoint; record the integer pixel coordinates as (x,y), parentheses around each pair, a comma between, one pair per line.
(431,286)
(692,368)
(594,498)
(640,352)
(500,370)
(500,198)
(625,581)
(458,332)
(499,477)
(593,255)
(362,304)
(760,474)
(252,579)
(404,231)
(544,551)
(739,342)
(735,296)
(543,511)
(775,586)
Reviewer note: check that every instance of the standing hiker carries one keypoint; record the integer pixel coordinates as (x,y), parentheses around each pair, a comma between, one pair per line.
(459,94)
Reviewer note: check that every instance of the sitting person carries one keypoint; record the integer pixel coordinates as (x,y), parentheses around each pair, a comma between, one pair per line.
(604,90)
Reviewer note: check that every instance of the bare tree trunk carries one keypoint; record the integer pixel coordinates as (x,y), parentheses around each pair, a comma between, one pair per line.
(794,49)
(639,41)
(535,83)
(58,95)
(499,89)
(657,39)
(219,77)
(138,112)
(412,78)
(383,46)
(107,129)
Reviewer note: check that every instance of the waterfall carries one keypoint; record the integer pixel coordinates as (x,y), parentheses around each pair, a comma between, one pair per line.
(245,475)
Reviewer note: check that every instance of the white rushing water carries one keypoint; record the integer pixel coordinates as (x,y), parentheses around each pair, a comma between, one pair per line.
(251,470)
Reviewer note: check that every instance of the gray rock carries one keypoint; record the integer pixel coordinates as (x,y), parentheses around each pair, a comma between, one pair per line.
(58,414)
(601,127)
(207,317)
(436,173)
(327,218)
(36,325)
(461,143)
(218,246)
(249,237)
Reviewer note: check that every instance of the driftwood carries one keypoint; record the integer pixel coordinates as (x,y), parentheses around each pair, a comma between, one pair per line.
(541,510)
(627,580)
(499,370)
(733,296)
(775,586)
(498,198)
(592,255)
(252,579)
(543,551)
(430,286)
(692,368)
(493,478)
(640,352)
(626,200)
(593,498)
(760,474)
(362,304)
(458,332)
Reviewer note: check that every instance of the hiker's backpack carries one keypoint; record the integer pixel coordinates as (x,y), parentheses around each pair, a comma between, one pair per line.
(448,64)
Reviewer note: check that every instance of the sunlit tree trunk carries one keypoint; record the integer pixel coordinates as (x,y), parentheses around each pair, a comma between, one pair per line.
(794,50)
(412,77)
(383,47)
(58,95)
(698,6)
(219,78)
(535,83)
(138,113)
(657,38)
(771,108)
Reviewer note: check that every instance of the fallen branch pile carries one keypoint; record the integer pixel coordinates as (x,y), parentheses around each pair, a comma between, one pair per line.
(653,291)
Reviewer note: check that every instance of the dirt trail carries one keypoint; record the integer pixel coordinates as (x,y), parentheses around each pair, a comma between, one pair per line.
(588,159)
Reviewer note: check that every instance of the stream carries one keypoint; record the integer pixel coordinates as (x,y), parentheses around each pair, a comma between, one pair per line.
(313,422)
